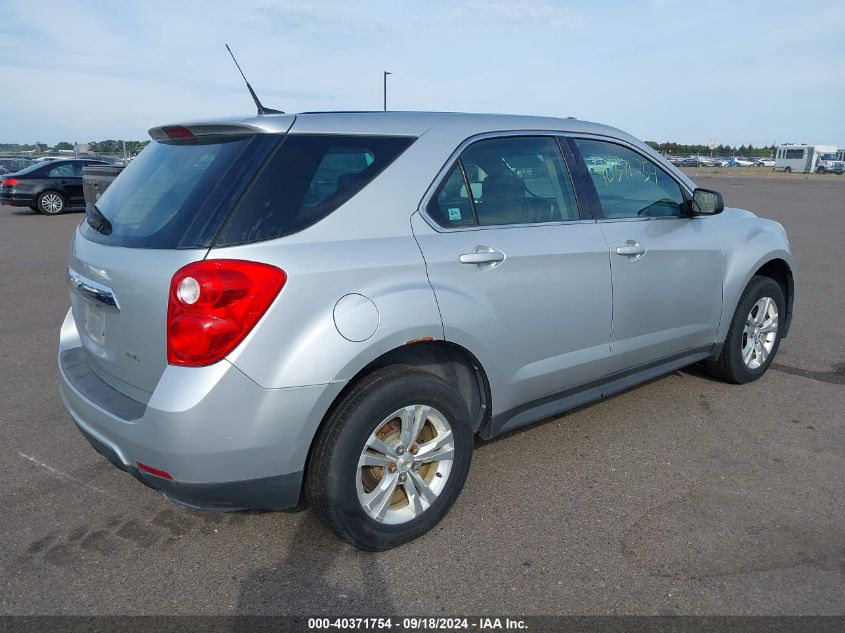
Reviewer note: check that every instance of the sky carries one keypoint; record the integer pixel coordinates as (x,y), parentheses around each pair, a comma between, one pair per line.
(738,72)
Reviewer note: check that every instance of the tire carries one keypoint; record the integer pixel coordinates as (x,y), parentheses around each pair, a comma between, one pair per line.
(788,170)
(820,170)
(51,203)
(339,484)
(741,359)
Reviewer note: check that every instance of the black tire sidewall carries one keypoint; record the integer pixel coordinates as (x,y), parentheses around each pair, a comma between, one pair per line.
(756,290)
(339,484)
(41,208)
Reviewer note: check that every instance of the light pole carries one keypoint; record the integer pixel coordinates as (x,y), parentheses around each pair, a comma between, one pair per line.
(385,89)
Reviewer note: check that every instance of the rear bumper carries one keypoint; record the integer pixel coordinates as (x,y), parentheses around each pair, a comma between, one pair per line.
(16,199)
(228,443)
(269,493)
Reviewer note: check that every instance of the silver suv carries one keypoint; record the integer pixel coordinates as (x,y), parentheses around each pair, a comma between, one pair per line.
(329,306)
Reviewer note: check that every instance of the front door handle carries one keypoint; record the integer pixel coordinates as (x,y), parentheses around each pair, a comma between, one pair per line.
(483,255)
(631,249)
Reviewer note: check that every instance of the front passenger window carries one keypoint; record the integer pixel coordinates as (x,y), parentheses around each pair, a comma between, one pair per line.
(628,184)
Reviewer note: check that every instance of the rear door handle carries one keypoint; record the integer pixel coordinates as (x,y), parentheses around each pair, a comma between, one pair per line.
(631,249)
(91,289)
(483,255)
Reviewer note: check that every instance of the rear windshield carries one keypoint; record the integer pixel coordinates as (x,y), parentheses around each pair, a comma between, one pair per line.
(177,195)
(30,169)
(182,195)
(309,176)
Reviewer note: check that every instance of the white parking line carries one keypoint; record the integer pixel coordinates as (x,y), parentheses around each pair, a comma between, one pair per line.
(61,475)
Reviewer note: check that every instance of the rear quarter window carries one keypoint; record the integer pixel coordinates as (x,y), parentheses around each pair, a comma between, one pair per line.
(308,177)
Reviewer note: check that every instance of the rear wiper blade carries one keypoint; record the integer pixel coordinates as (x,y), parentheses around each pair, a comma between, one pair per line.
(97,220)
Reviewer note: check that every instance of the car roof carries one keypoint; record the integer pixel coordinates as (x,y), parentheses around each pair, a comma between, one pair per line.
(410,123)
(449,128)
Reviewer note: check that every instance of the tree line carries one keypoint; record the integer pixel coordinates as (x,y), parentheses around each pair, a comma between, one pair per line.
(678,149)
(109,146)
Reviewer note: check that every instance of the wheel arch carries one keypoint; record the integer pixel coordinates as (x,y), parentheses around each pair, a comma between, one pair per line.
(776,266)
(449,361)
(781,272)
(52,189)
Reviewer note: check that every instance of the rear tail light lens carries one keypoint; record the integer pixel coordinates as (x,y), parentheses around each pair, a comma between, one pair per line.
(10,182)
(214,304)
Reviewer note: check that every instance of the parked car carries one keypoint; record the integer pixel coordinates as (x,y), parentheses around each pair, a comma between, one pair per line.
(709,162)
(418,279)
(738,161)
(596,165)
(766,162)
(47,187)
(689,162)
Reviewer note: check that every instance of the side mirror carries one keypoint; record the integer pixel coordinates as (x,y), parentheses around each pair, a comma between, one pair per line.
(707,202)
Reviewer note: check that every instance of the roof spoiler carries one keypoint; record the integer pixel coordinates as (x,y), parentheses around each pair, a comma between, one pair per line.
(193,131)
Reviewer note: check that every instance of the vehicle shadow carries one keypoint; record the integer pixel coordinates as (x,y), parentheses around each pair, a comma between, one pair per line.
(307,578)
(700,371)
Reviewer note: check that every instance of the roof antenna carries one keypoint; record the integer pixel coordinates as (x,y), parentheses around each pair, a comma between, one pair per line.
(261,108)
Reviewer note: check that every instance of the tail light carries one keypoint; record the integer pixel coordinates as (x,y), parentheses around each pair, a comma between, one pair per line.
(214,304)
(178,133)
(10,182)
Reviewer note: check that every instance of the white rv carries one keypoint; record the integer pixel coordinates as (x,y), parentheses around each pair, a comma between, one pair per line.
(801,158)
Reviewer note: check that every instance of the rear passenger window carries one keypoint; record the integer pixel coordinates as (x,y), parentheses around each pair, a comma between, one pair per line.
(310,176)
(628,184)
(511,180)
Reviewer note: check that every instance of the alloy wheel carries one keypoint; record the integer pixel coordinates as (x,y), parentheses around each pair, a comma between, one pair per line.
(52,203)
(760,332)
(405,464)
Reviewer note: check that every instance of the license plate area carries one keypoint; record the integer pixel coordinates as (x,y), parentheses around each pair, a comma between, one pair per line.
(95,322)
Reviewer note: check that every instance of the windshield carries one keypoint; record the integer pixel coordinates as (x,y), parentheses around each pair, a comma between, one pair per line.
(176,195)
(828,157)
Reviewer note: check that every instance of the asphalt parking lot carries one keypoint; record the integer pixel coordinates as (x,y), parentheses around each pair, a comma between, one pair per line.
(682,496)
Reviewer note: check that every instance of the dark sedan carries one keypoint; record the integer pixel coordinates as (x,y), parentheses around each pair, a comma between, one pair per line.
(689,162)
(46,187)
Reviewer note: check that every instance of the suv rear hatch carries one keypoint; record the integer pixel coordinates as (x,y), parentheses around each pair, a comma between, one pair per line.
(163,212)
